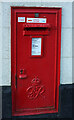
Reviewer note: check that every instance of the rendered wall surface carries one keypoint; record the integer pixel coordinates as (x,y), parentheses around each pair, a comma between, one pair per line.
(66,38)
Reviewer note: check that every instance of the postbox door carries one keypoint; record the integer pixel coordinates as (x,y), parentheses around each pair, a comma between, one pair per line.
(36,65)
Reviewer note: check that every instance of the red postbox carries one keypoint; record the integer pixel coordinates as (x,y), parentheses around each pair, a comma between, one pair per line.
(35,60)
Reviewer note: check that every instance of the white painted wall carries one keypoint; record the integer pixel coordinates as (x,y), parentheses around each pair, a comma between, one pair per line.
(66,37)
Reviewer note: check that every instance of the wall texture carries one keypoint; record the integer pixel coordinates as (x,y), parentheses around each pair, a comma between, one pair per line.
(5,40)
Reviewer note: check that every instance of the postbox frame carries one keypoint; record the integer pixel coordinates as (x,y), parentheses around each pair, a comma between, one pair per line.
(14,11)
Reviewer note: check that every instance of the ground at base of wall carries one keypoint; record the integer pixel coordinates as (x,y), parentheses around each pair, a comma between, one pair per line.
(65,105)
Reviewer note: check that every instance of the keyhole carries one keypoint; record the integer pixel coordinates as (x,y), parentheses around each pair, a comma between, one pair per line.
(21,71)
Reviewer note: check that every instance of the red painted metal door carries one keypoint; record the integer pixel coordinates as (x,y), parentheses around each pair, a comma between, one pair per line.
(36,34)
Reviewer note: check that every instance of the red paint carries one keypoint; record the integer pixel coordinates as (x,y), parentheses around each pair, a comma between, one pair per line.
(36,89)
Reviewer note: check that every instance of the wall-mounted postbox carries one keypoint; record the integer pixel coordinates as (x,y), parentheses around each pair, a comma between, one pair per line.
(35,60)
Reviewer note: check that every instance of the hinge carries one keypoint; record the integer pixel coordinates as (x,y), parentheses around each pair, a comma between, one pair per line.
(16,79)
